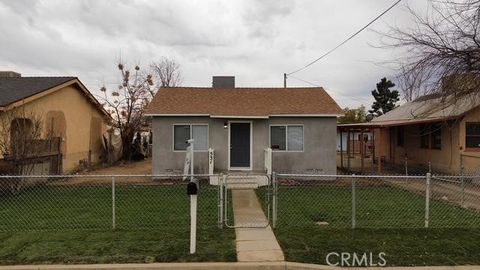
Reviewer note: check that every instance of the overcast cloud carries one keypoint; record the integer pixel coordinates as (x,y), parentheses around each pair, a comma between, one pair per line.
(257,41)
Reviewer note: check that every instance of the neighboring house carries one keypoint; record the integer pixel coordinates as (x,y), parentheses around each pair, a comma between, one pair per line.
(239,124)
(72,121)
(355,144)
(442,132)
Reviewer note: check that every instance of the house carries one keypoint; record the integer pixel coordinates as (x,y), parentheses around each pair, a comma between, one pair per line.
(70,119)
(239,124)
(355,138)
(432,132)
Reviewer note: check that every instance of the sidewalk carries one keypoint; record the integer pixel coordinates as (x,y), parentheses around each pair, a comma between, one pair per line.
(253,244)
(221,266)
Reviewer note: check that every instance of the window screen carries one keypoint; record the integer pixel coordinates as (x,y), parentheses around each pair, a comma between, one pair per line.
(400,136)
(436,136)
(200,137)
(278,138)
(181,133)
(472,135)
(424,136)
(295,138)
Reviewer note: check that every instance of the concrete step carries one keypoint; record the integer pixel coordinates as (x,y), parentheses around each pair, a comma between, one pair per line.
(242,181)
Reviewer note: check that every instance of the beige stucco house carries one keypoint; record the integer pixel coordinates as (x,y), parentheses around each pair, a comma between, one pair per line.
(432,131)
(72,120)
(240,124)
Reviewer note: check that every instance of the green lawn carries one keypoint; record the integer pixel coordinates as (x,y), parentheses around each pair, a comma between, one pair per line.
(389,220)
(74,225)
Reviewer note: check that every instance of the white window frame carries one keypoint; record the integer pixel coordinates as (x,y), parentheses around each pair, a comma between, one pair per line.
(286,137)
(191,133)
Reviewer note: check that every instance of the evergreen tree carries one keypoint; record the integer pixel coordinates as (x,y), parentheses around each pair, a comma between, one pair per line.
(385,99)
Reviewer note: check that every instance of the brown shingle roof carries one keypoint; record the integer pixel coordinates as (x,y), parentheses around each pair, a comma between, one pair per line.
(242,102)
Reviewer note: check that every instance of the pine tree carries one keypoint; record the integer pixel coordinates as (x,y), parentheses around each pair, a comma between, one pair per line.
(385,99)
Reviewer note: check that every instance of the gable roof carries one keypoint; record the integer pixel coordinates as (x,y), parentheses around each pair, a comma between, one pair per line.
(15,89)
(430,108)
(238,102)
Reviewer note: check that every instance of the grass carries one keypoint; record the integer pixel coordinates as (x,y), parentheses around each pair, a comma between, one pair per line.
(389,220)
(64,224)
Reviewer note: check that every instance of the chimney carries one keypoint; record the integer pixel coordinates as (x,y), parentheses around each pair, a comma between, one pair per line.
(10,74)
(223,81)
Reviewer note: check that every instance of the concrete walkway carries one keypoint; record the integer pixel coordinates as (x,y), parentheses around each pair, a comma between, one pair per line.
(253,244)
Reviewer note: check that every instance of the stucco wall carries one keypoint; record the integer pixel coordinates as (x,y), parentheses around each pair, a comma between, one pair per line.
(448,159)
(469,158)
(318,155)
(75,114)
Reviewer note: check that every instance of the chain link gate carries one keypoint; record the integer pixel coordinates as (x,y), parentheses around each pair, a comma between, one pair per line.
(245,200)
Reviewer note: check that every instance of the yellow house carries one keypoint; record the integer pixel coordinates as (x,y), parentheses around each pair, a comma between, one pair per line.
(436,133)
(65,112)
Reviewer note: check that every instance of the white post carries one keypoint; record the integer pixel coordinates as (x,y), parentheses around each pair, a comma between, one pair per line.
(193,223)
(113,202)
(221,180)
(193,205)
(427,200)
(191,159)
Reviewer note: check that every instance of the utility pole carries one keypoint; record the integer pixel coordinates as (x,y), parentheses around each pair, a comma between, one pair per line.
(284,80)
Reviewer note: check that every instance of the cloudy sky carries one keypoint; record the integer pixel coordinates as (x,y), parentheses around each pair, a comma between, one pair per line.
(256,41)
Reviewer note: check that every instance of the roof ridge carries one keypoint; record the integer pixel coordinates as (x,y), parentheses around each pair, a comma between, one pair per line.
(233,88)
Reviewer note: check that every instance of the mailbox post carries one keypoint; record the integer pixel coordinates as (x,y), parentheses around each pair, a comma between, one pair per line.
(192,191)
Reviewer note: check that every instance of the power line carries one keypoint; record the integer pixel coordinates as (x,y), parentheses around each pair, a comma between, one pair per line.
(345,41)
(338,93)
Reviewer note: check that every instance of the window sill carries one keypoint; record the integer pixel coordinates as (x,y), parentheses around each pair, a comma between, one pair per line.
(472,150)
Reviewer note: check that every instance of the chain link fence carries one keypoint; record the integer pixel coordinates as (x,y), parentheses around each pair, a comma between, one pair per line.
(105,202)
(99,202)
(377,201)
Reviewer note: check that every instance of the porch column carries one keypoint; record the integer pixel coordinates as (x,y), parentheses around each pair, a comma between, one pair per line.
(380,149)
(341,148)
(348,149)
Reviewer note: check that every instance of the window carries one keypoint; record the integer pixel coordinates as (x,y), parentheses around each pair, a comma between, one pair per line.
(472,135)
(286,138)
(436,136)
(431,136)
(424,135)
(182,133)
(400,136)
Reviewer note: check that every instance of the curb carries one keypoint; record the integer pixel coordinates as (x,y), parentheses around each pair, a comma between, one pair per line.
(221,266)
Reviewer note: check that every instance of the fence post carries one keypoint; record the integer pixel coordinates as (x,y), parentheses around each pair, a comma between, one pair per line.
(462,178)
(113,203)
(406,166)
(274,200)
(427,200)
(221,180)
(354,204)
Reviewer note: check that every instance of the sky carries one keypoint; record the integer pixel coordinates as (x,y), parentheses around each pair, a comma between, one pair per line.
(255,41)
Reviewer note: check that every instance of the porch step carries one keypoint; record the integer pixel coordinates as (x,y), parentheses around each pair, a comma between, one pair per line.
(242,181)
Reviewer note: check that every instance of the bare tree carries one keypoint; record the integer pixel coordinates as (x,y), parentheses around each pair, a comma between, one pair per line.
(442,50)
(167,72)
(21,142)
(126,104)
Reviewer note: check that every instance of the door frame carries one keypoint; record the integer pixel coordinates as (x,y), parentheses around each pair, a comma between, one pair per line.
(251,145)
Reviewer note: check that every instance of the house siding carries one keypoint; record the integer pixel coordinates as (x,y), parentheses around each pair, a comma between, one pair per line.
(449,159)
(318,155)
(81,128)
